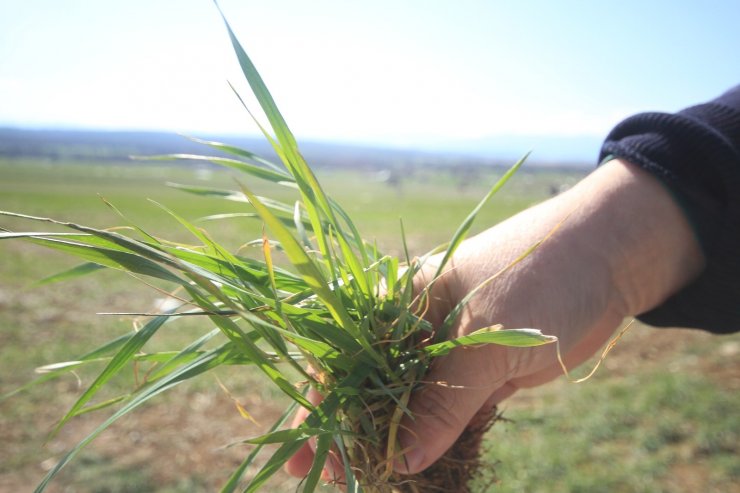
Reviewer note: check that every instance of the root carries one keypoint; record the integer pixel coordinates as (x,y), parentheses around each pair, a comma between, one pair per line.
(452,473)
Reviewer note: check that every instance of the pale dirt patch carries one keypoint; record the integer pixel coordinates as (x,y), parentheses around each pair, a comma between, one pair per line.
(174,442)
(168,443)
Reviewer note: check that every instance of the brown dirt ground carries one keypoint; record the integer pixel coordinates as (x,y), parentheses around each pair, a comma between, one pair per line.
(170,442)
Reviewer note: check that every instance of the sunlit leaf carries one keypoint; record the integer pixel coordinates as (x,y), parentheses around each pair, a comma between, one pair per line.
(492,335)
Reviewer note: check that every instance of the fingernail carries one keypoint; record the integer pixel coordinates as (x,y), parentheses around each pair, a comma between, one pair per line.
(414,458)
(410,461)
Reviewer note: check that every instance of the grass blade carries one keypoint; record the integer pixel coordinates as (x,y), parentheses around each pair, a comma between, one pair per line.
(492,335)
(10,235)
(323,442)
(182,356)
(236,151)
(50,372)
(123,356)
(305,265)
(73,273)
(463,229)
(451,317)
(287,435)
(251,350)
(318,417)
(236,476)
(235,196)
(204,363)
(277,122)
(116,259)
(271,175)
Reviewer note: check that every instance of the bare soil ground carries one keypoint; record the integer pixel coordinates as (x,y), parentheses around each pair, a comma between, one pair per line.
(178,443)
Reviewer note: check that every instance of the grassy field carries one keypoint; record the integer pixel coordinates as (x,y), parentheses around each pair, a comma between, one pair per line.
(661,416)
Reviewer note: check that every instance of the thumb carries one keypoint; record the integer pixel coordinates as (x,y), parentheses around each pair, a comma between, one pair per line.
(456,388)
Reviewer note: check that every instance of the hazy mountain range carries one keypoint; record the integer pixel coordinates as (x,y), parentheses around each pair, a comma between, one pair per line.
(117,146)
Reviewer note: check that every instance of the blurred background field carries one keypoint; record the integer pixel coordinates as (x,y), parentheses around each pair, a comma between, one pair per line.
(660,416)
(445,88)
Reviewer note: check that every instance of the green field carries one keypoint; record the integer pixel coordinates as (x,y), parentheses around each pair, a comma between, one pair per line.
(661,416)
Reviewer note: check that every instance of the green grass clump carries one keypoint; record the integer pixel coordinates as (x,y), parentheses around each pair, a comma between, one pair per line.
(342,307)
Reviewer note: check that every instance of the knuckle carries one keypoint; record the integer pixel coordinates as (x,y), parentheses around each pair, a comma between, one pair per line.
(436,408)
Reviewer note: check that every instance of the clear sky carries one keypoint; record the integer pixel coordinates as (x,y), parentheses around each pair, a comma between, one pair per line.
(383,71)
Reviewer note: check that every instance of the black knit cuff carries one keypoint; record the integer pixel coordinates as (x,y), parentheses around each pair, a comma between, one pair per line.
(696,155)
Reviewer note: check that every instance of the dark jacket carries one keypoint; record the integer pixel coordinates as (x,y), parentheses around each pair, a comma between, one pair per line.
(696,154)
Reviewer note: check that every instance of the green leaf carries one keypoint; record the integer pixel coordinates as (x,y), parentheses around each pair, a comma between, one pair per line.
(359,242)
(245,344)
(115,259)
(356,269)
(101,405)
(50,372)
(235,196)
(319,459)
(282,436)
(182,356)
(463,229)
(202,364)
(321,350)
(123,356)
(126,253)
(236,151)
(352,485)
(493,335)
(299,226)
(318,418)
(233,481)
(304,264)
(115,209)
(313,196)
(9,235)
(318,328)
(236,274)
(277,122)
(214,248)
(73,273)
(230,215)
(280,177)
(275,145)
(108,348)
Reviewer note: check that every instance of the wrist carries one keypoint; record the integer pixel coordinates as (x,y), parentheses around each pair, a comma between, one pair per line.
(642,234)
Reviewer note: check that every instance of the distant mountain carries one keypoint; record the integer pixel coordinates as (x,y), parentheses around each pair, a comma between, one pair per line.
(546,149)
(92,145)
(116,147)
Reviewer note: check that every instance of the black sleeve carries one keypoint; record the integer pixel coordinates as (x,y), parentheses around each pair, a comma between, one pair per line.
(696,155)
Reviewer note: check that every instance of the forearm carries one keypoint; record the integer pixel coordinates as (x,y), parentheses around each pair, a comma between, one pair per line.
(631,220)
(695,153)
(621,247)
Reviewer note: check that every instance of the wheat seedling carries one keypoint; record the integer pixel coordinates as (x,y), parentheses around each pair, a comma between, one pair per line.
(343,308)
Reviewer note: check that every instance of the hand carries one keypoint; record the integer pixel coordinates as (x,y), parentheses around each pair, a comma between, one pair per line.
(624,247)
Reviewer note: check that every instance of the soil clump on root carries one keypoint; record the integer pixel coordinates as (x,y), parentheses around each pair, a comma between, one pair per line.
(455,470)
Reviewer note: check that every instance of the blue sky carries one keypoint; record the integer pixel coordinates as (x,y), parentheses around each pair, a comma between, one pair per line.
(408,73)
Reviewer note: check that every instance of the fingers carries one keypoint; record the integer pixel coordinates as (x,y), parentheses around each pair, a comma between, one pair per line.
(300,463)
(460,384)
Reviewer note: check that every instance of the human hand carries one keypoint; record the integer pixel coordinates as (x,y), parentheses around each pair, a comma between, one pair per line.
(608,260)
(624,248)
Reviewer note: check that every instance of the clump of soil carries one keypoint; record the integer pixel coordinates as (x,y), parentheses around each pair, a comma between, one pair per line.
(454,471)
(462,463)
